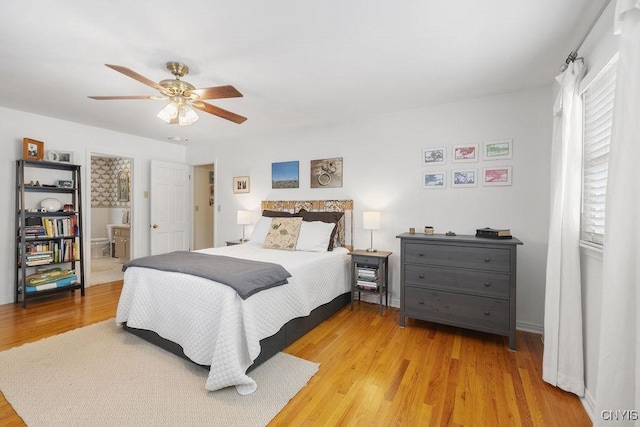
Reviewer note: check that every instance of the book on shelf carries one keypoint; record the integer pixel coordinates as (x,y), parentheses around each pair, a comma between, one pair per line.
(494,233)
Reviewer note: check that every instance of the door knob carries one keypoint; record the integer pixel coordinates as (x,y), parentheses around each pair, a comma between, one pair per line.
(154,226)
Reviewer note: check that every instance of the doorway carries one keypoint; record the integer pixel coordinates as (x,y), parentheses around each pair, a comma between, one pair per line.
(110,216)
(203,206)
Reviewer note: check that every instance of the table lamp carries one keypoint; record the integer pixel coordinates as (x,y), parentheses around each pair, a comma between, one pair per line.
(244,219)
(371,221)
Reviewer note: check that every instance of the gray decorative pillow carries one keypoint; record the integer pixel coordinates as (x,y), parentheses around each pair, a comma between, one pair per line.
(283,234)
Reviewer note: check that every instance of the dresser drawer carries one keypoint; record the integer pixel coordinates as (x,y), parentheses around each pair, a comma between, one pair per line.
(476,282)
(456,309)
(474,257)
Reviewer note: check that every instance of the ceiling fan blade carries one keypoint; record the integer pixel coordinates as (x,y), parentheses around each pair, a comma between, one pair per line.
(102,98)
(216,111)
(130,73)
(215,92)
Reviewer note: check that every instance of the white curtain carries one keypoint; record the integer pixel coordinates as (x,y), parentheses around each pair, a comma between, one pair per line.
(619,361)
(562,364)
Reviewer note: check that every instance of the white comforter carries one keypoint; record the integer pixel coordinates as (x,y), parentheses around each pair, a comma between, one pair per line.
(213,324)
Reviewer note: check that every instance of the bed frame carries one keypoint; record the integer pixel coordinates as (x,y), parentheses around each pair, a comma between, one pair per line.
(299,326)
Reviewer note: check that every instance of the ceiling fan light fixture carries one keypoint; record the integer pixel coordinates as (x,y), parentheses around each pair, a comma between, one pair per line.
(169,112)
(186,115)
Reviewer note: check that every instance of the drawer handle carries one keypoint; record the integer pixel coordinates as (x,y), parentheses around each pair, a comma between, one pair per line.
(487,259)
(487,284)
(421,254)
(487,313)
(421,302)
(421,276)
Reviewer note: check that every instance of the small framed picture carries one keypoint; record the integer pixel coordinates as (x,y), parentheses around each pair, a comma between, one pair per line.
(32,149)
(465,153)
(240,184)
(434,156)
(496,176)
(464,178)
(64,183)
(65,156)
(498,150)
(434,179)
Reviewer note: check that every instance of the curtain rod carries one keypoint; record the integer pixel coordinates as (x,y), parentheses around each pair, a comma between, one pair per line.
(573,55)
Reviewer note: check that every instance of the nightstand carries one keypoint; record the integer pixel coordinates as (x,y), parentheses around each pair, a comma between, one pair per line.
(370,274)
(235,242)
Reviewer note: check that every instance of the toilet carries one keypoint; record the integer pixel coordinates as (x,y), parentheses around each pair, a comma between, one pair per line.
(100,247)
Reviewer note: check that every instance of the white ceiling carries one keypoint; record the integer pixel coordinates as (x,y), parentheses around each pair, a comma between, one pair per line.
(297,62)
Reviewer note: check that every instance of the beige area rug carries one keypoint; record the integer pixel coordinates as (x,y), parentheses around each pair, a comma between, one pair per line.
(104,270)
(100,375)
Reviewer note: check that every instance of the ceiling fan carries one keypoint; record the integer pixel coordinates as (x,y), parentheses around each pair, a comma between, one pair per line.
(183,96)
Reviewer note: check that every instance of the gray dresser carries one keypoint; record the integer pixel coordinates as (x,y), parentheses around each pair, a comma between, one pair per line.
(463,281)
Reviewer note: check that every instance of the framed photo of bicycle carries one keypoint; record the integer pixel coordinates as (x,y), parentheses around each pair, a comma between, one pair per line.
(326,173)
(462,178)
(434,156)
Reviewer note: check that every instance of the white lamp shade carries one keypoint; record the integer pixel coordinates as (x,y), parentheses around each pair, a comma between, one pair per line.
(371,220)
(244,217)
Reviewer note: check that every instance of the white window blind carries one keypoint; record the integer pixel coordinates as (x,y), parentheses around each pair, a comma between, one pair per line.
(598,101)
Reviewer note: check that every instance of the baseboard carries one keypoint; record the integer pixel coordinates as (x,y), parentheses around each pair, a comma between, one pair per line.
(529,327)
(589,405)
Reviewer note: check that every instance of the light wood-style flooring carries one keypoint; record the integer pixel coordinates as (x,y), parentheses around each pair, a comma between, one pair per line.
(372,372)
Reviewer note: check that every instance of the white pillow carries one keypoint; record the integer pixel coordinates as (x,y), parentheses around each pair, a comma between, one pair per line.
(314,236)
(261,229)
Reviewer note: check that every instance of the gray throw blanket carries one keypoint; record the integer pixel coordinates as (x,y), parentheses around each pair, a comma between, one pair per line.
(245,276)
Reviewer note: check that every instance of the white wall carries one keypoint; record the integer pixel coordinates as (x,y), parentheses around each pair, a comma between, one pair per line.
(81,140)
(383,171)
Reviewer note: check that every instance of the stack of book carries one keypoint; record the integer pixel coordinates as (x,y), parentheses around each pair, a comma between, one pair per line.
(39,258)
(34,231)
(367,278)
(493,233)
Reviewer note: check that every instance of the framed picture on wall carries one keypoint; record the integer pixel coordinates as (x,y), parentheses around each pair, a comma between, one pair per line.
(434,156)
(326,173)
(285,175)
(465,153)
(498,150)
(240,184)
(496,176)
(434,179)
(464,178)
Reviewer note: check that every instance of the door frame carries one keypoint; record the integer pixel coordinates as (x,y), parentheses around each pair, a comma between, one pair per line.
(86,209)
(216,210)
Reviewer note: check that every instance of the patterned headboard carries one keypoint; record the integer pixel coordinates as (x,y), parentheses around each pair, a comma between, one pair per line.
(344,235)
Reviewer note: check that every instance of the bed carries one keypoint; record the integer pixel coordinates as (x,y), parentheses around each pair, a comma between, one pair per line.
(210,324)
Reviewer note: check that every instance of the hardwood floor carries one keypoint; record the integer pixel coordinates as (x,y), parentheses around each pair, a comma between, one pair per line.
(372,371)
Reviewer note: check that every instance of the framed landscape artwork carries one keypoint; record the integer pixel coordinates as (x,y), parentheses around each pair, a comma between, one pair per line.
(285,175)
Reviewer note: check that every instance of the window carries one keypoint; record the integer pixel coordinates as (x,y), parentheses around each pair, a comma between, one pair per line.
(598,99)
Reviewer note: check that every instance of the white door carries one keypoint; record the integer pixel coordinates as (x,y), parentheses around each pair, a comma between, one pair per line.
(170,207)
